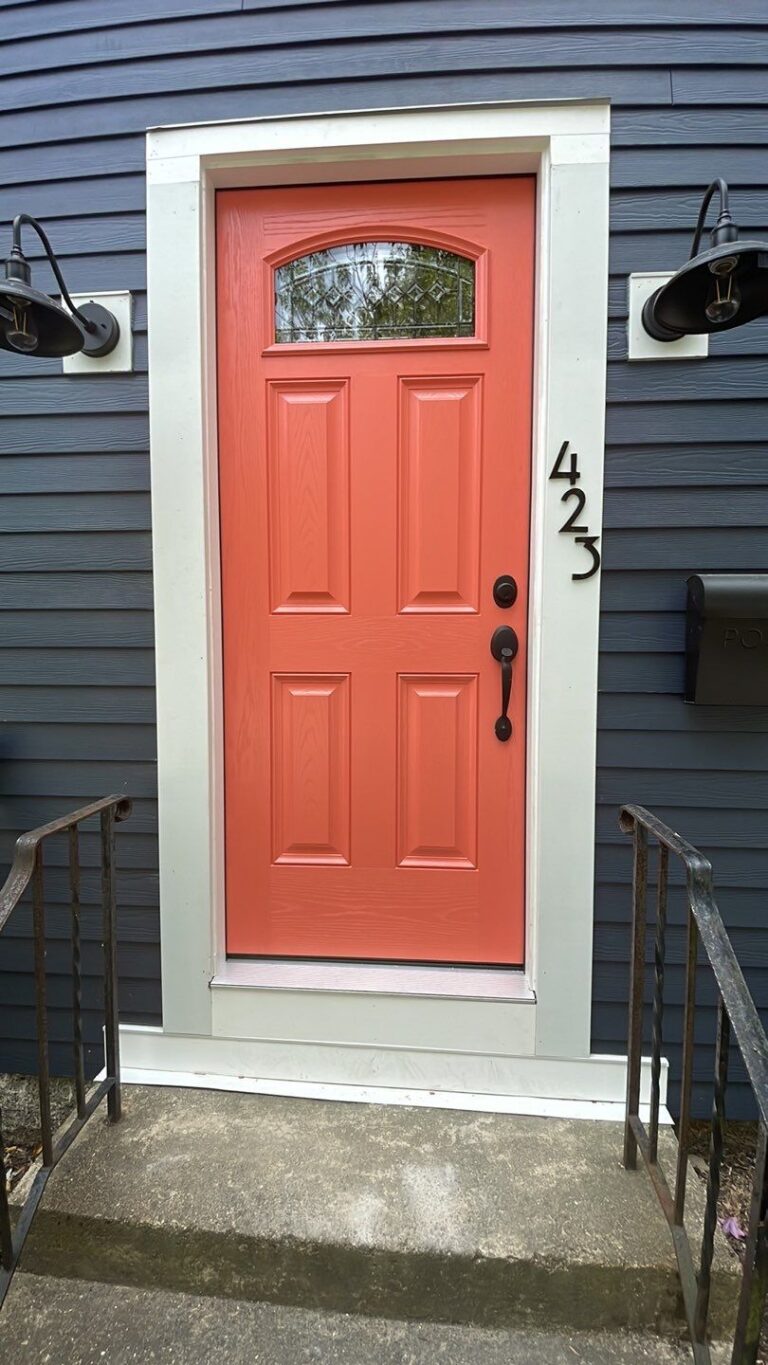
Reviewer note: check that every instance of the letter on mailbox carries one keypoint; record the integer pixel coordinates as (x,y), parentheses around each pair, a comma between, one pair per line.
(726,647)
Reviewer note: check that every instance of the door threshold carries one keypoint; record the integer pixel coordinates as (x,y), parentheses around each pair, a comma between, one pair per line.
(474,983)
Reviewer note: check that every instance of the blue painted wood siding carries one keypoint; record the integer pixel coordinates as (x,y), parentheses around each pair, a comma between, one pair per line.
(687,464)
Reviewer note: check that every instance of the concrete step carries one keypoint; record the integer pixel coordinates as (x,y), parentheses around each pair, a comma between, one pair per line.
(64,1322)
(458,1218)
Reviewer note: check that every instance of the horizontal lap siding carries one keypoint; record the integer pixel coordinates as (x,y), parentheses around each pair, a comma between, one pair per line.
(686,490)
(686,459)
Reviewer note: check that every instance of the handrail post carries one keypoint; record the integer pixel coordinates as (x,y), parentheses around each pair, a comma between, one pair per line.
(111,1019)
(658,998)
(755,1282)
(41,1009)
(686,1080)
(637,973)
(6,1234)
(77,978)
(716,1144)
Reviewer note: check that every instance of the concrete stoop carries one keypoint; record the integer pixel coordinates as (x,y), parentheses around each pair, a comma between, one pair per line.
(427,1218)
(66,1322)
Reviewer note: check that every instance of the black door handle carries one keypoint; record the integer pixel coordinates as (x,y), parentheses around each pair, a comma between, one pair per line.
(504,648)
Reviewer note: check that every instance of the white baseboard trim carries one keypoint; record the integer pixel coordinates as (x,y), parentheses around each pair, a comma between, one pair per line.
(578,1088)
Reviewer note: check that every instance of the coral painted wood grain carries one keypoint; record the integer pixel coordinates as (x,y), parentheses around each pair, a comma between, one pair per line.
(370,495)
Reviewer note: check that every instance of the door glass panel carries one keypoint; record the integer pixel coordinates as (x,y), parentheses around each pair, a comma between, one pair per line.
(375,291)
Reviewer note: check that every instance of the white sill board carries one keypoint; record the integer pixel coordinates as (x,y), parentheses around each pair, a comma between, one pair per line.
(475,983)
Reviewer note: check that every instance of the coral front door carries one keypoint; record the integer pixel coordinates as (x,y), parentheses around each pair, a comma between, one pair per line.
(374,403)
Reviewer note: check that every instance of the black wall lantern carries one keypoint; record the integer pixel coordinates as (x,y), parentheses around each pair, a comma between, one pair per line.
(32,323)
(716,289)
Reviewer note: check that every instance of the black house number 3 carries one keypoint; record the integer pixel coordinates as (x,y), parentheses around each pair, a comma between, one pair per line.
(566,466)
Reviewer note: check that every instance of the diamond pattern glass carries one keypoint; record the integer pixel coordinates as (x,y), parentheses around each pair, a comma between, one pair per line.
(375,291)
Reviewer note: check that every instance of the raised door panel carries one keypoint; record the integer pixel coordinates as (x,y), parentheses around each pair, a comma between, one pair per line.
(308,475)
(437,777)
(440,475)
(310,768)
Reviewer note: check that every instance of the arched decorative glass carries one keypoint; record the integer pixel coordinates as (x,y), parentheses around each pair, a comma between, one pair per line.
(375,291)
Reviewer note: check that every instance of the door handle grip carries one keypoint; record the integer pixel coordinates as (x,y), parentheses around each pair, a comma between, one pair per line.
(504,648)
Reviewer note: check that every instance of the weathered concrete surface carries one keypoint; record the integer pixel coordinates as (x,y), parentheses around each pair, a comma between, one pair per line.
(63,1322)
(405,1213)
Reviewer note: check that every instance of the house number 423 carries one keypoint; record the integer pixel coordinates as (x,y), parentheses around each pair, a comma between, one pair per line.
(566,466)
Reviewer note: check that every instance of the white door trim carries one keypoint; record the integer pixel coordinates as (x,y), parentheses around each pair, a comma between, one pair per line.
(567,145)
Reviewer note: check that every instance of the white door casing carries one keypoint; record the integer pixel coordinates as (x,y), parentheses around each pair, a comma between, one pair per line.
(462,1030)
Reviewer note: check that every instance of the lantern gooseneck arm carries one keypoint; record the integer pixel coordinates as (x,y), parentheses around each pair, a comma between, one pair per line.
(27,218)
(724,217)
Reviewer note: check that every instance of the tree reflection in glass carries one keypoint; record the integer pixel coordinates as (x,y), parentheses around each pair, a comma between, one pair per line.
(375,291)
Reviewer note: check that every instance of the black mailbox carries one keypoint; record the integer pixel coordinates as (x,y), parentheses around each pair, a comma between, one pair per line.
(726,648)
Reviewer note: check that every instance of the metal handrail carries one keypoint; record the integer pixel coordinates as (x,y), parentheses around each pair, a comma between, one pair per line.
(27,867)
(737,1018)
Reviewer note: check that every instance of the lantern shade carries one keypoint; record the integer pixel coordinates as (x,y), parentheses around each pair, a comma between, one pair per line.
(32,323)
(678,307)
(58,333)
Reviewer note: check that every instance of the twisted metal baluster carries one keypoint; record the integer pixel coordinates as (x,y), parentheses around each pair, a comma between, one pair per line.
(716,1143)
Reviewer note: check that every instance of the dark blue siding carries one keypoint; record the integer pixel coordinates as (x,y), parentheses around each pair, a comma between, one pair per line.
(686,469)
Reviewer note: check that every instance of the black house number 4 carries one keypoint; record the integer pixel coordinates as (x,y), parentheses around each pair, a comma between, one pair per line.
(566,466)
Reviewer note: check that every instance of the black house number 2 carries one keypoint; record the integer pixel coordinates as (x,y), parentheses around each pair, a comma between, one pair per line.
(566,466)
